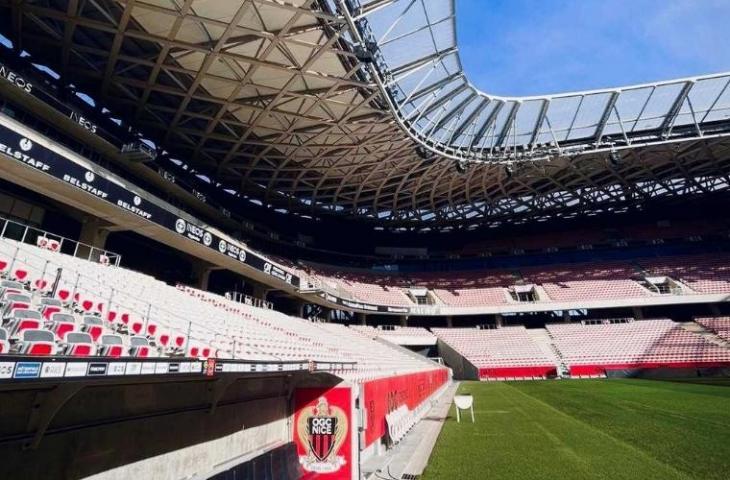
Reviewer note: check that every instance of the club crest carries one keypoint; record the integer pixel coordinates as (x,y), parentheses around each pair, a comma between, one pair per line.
(322,430)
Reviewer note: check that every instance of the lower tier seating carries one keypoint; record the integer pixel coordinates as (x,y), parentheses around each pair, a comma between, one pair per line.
(398,335)
(507,353)
(590,350)
(114,312)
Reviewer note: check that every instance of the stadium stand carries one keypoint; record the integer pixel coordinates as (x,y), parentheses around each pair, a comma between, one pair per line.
(701,273)
(507,353)
(110,311)
(398,335)
(592,349)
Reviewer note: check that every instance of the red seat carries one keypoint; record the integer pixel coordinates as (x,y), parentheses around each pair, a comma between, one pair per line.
(114,351)
(179,341)
(20,274)
(111,346)
(40,349)
(193,352)
(49,310)
(151,329)
(78,344)
(87,305)
(37,342)
(205,352)
(26,324)
(62,328)
(16,305)
(80,350)
(136,327)
(63,294)
(139,347)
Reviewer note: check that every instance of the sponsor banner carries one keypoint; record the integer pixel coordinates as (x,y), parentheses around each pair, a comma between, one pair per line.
(27,370)
(97,369)
(148,368)
(369,307)
(384,395)
(76,369)
(117,368)
(324,432)
(37,156)
(134,368)
(13,77)
(60,369)
(53,369)
(6,369)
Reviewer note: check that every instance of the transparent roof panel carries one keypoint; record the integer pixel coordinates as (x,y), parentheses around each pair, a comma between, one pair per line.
(417,54)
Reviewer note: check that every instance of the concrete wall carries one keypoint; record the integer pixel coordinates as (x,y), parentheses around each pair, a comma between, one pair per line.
(155,430)
(462,368)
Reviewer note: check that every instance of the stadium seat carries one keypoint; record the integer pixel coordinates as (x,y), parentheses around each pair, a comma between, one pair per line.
(36,342)
(61,325)
(111,346)
(77,344)
(20,319)
(93,326)
(4,345)
(139,347)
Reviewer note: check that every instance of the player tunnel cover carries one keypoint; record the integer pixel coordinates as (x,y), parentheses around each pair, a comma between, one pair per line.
(322,431)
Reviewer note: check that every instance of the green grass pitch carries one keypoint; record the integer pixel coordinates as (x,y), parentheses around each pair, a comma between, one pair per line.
(588,429)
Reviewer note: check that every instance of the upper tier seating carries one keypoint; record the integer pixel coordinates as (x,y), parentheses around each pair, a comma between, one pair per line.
(718,325)
(502,353)
(702,273)
(111,311)
(592,349)
(586,281)
(589,281)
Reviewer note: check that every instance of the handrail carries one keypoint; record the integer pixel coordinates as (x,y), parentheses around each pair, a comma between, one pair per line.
(28,234)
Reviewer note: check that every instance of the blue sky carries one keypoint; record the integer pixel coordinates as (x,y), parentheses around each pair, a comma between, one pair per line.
(527,47)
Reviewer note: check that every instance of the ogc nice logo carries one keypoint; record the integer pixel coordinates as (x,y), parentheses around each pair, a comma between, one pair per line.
(322,430)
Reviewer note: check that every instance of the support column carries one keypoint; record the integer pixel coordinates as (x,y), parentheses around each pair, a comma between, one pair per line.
(498,320)
(201,274)
(260,290)
(404,320)
(94,233)
(449,321)
(566,316)
(361,318)
(638,313)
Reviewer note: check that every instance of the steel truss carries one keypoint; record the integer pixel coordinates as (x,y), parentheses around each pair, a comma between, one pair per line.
(279,101)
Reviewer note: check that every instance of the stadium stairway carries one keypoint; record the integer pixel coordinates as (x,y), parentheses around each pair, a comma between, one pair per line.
(544,341)
(707,334)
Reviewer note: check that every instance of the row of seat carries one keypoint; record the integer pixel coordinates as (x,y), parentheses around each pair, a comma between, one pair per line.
(708,274)
(55,303)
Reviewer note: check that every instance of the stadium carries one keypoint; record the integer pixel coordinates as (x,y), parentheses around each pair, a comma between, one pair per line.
(291,239)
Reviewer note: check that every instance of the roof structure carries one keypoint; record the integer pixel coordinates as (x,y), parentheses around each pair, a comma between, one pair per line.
(315,107)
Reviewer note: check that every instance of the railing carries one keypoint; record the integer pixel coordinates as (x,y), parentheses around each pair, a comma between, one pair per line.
(34,236)
(123,300)
(239,297)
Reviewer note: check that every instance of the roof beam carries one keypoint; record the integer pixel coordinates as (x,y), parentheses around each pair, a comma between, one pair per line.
(671,115)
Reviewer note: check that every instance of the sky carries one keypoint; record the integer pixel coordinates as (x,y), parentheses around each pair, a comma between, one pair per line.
(532,47)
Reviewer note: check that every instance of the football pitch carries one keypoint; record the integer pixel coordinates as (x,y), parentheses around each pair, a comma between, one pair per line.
(588,429)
